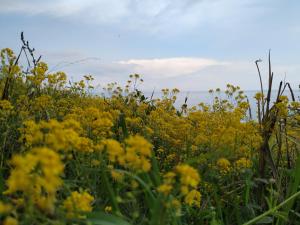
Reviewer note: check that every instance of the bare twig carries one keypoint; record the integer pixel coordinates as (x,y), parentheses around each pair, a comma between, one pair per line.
(261,86)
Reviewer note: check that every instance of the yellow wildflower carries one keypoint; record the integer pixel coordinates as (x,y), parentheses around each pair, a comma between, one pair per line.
(135,156)
(224,165)
(243,163)
(193,198)
(138,152)
(38,74)
(37,176)
(5,105)
(77,204)
(5,208)
(108,209)
(10,221)
(189,180)
(118,176)
(188,175)
(165,189)
(115,151)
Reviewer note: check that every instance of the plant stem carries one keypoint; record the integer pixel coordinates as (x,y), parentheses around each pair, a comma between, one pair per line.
(270,211)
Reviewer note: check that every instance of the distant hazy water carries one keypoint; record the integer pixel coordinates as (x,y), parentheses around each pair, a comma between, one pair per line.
(195,97)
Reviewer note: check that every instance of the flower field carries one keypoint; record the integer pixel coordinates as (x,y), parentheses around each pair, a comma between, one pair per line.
(72,157)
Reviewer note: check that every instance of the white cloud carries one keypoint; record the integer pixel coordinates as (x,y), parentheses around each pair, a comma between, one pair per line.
(103,11)
(152,16)
(169,67)
(185,73)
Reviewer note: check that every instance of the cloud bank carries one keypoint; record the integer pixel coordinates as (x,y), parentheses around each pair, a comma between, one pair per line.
(185,73)
(152,16)
(170,67)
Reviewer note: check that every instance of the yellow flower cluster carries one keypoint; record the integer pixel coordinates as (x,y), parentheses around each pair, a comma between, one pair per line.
(138,152)
(5,109)
(167,186)
(8,66)
(116,175)
(171,128)
(108,209)
(259,96)
(224,165)
(38,74)
(136,155)
(189,180)
(282,106)
(57,80)
(5,208)
(77,204)
(189,177)
(10,221)
(60,136)
(96,122)
(5,105)
(243,163)
(37,175)
(42,102)
(211,130)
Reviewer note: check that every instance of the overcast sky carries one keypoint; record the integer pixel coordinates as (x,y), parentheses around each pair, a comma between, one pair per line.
(189,44)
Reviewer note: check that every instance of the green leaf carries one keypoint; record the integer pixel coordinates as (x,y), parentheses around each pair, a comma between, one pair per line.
(281,215)
(265,220)
(101,218)
(295,213)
